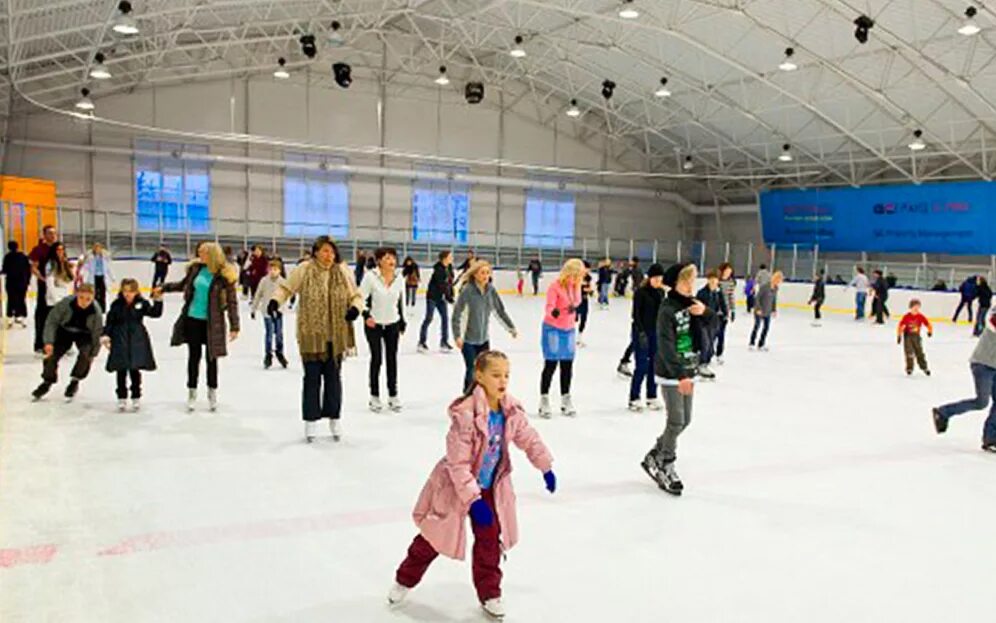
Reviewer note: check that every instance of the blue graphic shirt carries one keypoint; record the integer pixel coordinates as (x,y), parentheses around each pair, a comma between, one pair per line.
(202,289)
(492,456)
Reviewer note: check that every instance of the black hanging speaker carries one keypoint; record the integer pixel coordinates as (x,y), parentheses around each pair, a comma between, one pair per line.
(474,92)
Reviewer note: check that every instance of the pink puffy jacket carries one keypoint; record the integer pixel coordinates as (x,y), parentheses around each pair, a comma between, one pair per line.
(441,510)
(562,298)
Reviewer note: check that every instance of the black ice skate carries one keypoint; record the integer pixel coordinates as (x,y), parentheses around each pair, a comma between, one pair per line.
(940,422)
(267,361)
(624,370)
(671,481)
(282,359)
(71,389)
(663,475)
(989,447)
(40,391)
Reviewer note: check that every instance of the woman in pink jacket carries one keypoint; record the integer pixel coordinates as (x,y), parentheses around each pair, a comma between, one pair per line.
(563,298)
(473,478)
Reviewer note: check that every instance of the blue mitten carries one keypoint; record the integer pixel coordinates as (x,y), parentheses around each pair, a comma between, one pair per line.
(551,481)
(480,513)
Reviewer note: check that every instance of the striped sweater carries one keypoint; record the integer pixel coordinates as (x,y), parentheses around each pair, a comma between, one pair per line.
(729,288)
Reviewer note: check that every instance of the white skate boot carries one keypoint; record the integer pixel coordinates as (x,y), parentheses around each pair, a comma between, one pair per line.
(394,404)
(136,404)
(566,406)
(494,608)
(213,398)
(654,405)
(310,431)
(122,405)
(375,404)
(397,594)
(335,427)
(544,408)
(635,406)
(191,399)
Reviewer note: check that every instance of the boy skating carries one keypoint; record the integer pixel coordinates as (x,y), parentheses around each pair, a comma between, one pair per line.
(273,322)
(984,374)
(908,334)
(73,321)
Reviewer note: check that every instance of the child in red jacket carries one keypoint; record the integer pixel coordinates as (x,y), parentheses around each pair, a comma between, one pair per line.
(908,334)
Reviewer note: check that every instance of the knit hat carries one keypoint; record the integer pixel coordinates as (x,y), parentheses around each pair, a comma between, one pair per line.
(655,270)
(671,274)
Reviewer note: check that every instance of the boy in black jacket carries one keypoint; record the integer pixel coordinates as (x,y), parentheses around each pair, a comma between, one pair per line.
(646,304)
(440,293)
(712,297)
(817,298)
(74,321)
(676,366)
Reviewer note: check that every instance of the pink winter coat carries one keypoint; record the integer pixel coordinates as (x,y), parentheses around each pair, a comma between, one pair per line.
(442,507)
(562,298)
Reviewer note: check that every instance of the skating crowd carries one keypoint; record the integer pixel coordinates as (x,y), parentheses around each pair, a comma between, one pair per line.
(677,336)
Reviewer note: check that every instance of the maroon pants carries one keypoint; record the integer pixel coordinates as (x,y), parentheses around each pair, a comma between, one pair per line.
(485,563)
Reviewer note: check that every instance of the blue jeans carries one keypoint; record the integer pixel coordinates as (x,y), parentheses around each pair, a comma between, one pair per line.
(431,306)
(274,330)
(985,392)
(763,323)
(470,353)
(603,293)
(859,305)
(644,365)
(720,338)
(980,321)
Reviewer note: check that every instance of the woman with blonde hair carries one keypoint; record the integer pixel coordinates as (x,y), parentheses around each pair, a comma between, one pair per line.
(96,270)
(563,298)
(764,309)
(477,301)
(209,296)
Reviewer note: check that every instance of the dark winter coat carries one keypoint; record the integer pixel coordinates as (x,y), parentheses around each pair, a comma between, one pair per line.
(985,295)
(162,260)
(605,275)
(968,289)
(222,300)
(535,267)
(17,270)
(440,284)
(881,289)
(61,316)
(258,267)
(646,304)
(677,348)
(819,291)
(714,300)
(131,348)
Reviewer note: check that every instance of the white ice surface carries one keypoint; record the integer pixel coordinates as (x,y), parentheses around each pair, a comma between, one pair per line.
(817,491)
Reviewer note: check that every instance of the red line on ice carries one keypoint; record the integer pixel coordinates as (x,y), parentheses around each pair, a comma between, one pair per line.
(33,555)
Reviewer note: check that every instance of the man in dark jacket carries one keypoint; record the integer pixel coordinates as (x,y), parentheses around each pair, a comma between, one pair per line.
(635,273)
(880,288)
(985,295)
(17,274)
(39,259)
(646,303)
(161,260)
(712,297)
(818,297)
(676,365)
(73,321)
(440,292)
(968,293)
(535,271)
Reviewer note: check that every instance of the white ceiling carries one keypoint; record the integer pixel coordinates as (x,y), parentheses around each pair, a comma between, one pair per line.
(848,112)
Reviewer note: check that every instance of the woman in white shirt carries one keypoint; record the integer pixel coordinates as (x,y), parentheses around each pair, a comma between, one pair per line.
(58,275)
(383,291)
(96,270)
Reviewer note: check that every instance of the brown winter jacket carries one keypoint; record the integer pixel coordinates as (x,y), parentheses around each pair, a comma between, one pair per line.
(222,300)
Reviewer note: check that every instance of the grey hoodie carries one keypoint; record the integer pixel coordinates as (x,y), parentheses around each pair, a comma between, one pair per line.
(473,308)
(767,300)
(985,350)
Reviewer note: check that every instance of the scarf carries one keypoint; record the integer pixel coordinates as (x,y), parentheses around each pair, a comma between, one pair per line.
(321,317)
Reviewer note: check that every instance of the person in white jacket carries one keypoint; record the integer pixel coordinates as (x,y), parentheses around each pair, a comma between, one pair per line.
(58,275)
(274,319)
(95,269)
(383,291)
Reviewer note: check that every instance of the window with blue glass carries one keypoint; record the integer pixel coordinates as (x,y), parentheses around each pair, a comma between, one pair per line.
(172,193)
(440,208)
(316,200)
(549,219)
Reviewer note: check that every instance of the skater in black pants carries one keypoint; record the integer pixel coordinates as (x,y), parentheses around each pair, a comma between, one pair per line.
(535,270)
(817,298)
(646,304)
(440,293)
(968,294)
(586,293)
(39,262)
(73,321)
(985,296)
(128,341)
(384,323)
(17,271)
(880,291)
(410,273)
(713,298)
(765,308)
(161,261)
(96,270)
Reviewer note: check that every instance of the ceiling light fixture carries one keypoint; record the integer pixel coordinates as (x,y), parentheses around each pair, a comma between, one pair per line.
(917,144)
(85,103)
(574,112)
(342,73)
(970,28)
(308,46)
(786,155)
(99,70)
(608,88)
(517,51)
(335,38)
(662,91)
(628,11)
(787,64)
(863,24)
(124,23)
(442,80)
(281,72)
(689,165)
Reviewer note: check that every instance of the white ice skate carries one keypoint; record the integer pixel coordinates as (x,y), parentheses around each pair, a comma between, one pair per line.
(763,349)
(310,431)
(494,608)
(213,398)
(397,594)
(191,399)
(654,405)
(635,406)
(670,481)
(544,409)
(624,370)
(706,373)
(122,405)
(816,323)
(336,429)
(719,361)
(581,343)
(394,404)
(422,348)
(136,404)
(566,406)
(375,404)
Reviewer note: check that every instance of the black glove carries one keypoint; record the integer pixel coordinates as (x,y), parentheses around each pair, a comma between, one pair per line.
(571,309)
(402,325)
(252,315)
(899,340)
(352,314)
(643,341)
(272,307)
(555,313)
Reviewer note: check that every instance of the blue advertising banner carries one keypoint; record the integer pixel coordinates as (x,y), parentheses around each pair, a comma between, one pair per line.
(957,218)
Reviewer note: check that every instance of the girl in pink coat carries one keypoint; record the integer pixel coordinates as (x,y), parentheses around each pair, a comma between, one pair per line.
(563,298)
(474,479)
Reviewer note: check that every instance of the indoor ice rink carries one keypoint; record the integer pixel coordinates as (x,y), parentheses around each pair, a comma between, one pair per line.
(822,482)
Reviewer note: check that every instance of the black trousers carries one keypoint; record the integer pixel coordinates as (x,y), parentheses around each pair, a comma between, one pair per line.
(322,393)
(100,292)
(536,278)
(628,354)
(136,384)
(63,341)
(159,277)
(816,309)
(878,309)
(566,372)
(410,292)
(583,315)
(41,315)
(386,334)
(197,339)
(762,323)
(17,305)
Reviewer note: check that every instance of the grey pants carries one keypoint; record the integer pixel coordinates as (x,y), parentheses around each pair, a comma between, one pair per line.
(679,416)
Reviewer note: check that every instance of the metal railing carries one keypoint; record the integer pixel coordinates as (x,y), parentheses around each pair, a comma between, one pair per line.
(120,233)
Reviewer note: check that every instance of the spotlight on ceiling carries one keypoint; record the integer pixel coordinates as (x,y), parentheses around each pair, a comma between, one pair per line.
(689,165)
(474,92)
(662,91)
(917,144)
(85,103)
(281,72)
(861,27)
(517,51)
(442,80)
(608,88)
(124,23)
(335,38)
(786,155)
(970,28)
(308,47)
(99,70)
(342,73)
(628,11)
(787,64)
(574,112)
